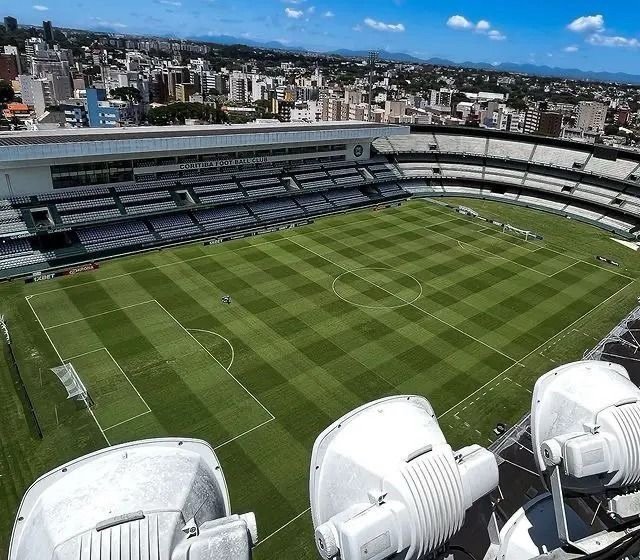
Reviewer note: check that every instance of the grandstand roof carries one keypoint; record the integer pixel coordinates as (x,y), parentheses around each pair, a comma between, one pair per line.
(64,135)
(22,148)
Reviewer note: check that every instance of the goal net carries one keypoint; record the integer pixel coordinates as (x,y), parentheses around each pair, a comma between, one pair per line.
(69,377)
(467,211)
(508,228)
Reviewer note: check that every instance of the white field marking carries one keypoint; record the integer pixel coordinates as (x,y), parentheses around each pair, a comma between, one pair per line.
(128,420)
(100,314)
(405,301)
(546,246)
(333,287)
(563,269)
(285,525)
(184,261)
(233,354)
(85,354)
(216,360)
(243,434)
(490,253)
(125,376)
(545,343)
(442,222)
(470,249)
(519,466)
(62,363)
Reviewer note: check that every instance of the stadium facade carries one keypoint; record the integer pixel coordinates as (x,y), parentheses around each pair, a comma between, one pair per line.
(69,197)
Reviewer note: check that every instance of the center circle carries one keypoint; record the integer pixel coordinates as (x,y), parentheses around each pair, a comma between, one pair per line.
(377,288)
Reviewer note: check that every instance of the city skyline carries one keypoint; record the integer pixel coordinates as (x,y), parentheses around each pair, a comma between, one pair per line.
(592,36)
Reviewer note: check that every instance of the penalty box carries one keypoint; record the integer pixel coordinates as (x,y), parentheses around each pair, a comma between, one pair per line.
(160,366)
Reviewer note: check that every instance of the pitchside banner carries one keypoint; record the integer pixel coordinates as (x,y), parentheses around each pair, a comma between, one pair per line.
(40,276)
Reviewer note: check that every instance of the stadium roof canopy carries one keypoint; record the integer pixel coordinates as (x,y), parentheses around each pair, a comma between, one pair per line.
(32,145)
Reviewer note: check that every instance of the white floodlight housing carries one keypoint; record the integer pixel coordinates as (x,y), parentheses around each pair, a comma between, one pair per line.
(585,428)
(586,417)
(385,483)
(162,498)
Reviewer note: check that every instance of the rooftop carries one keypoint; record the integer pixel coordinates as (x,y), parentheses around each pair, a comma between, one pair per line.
(66,135)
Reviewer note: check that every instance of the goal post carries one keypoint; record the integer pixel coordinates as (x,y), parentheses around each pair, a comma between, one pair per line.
(71,381)
(508,228)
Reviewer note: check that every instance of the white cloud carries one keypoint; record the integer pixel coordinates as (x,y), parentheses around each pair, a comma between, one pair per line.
(106,23)
(294,1)
(482,26)
(571,49)
(294,14)
(587,24)
(40,8)
(328,13)
(495,35)
(382,26)
(459,22)
(613,41)
(311,9)
(357,27)
(170,3)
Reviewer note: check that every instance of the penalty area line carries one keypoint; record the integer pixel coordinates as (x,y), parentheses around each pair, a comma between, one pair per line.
(284,526)
(537,349)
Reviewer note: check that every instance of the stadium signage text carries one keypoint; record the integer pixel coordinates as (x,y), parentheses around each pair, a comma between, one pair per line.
(39,276)
(223,163)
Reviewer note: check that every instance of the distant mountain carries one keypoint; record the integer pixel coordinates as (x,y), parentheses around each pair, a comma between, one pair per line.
(553,72)
(229,40)
(531,69)
(384,55)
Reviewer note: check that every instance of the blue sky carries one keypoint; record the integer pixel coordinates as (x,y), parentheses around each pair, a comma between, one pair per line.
(592,35)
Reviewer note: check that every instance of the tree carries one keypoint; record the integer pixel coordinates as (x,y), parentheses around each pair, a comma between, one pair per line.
(130,94)
(6,92)
(177,113)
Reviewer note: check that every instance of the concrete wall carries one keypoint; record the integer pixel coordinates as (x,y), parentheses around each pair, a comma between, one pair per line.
(25,180)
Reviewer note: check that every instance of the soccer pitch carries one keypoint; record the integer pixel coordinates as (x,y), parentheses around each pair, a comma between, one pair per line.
(416,299)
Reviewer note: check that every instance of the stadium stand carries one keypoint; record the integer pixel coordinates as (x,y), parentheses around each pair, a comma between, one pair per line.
(558,157)
(461,144)
(574,179)
(620,168)
(149,209)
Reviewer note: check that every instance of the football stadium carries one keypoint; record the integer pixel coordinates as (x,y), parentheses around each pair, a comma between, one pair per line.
(249,285)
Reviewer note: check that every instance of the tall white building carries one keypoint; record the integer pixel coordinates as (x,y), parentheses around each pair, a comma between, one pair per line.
(441,98)
(238,90)
(591,115)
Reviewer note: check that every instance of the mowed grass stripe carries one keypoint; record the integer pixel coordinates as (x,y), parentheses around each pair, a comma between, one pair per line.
(265,489)
(156,380)
(268,377)
(441,303)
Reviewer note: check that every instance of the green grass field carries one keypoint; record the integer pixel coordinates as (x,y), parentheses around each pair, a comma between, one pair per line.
(414,299)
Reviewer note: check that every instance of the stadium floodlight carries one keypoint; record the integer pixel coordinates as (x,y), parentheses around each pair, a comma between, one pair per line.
(385,483)
(585,427)
(162,498)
